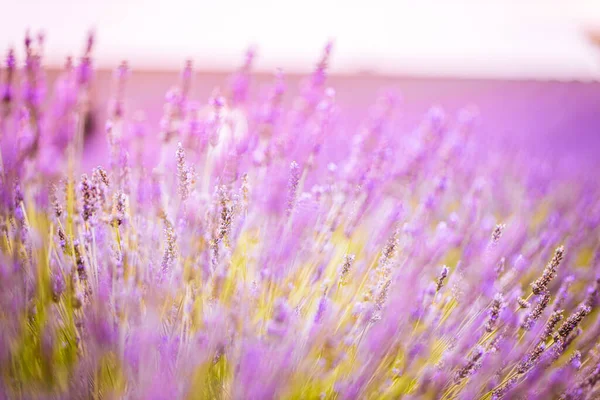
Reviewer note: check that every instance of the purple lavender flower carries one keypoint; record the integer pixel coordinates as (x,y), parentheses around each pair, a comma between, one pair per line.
(225,269)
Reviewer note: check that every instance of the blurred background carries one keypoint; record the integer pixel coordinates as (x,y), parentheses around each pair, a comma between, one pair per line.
(536,39)
(531,67)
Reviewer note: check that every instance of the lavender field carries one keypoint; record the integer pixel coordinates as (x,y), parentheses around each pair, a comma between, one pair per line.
(204,236)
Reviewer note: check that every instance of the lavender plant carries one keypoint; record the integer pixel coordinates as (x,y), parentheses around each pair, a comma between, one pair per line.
(255,260)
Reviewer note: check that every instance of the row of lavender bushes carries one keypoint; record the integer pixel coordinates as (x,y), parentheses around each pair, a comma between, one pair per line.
(246,264)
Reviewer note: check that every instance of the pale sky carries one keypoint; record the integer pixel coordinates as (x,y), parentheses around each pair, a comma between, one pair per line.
(480,38)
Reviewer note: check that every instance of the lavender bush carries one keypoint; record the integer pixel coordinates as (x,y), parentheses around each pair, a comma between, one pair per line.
(268,253)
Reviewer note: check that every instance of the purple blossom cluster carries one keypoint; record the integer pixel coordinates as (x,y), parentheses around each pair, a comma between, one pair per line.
(270,253)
